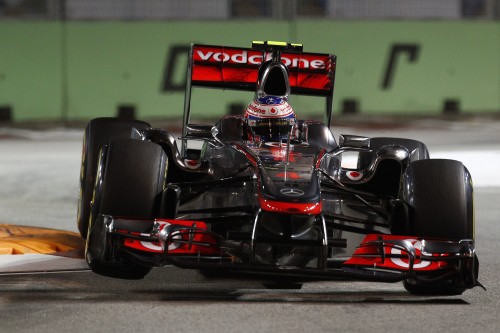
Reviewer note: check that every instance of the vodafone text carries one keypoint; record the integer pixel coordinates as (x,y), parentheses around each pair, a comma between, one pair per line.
(256,59)
(283,110)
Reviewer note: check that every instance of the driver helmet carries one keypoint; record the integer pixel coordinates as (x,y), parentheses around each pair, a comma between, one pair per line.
(270,118)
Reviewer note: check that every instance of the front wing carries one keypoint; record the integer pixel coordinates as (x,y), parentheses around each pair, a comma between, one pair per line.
(379,257)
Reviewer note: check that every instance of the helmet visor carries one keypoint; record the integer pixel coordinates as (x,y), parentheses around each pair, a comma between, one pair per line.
(270,129)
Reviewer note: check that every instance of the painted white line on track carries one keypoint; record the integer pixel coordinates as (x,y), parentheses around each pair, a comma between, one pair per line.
(16,263)
(483,165)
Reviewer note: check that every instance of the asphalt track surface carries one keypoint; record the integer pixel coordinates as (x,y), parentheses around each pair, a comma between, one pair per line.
(39,186)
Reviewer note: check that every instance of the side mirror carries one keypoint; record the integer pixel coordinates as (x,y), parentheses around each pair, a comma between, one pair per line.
(354,141)
(200,132)
(317,134)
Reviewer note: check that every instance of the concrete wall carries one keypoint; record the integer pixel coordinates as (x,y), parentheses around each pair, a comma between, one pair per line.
(86,69)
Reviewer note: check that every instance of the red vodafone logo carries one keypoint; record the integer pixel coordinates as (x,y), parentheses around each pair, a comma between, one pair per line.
(354,175)
(254,108)
(192,164)
(261,110)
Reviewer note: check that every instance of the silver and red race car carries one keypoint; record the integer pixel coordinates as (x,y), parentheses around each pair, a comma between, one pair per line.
(287,210)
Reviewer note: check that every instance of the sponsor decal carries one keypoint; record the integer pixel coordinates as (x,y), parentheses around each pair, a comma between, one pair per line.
(354,175)
(192,164)
(156,246)
(176,247)
(238,67)
(292,192)
(252,57)
(274,110)
(404,262)
(209,65)
(372,257)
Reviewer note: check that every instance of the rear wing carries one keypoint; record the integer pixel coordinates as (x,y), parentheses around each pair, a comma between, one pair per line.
(237,68)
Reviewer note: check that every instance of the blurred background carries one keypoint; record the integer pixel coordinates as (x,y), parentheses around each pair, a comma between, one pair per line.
(71,60)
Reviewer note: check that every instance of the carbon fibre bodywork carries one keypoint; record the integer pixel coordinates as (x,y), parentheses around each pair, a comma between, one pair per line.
(295,209)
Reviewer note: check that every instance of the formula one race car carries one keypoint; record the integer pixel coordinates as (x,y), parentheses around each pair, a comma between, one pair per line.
(268,196)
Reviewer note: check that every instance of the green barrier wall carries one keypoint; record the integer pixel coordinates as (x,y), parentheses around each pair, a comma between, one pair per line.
(87,69)
(30,70)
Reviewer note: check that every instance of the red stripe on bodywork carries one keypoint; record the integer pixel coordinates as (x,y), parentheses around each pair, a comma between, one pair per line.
(154,246)
(313,208)
(369,254)
(320,157)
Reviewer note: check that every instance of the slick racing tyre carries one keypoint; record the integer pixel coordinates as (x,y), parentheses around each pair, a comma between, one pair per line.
(439,196)
(130,180)
(97,133)
(97,244)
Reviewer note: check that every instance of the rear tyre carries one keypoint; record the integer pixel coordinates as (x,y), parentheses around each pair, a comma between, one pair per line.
(97,133)
(130,181)
(439,196)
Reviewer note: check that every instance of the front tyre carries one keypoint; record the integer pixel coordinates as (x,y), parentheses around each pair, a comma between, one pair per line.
(130,180)
(99,253)
(439,196)
(99,131)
